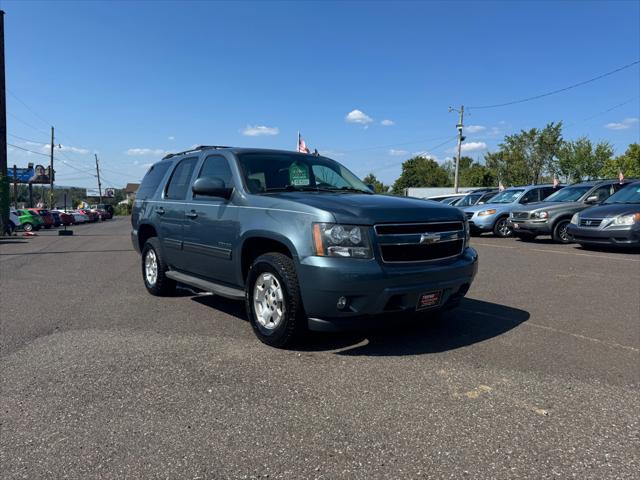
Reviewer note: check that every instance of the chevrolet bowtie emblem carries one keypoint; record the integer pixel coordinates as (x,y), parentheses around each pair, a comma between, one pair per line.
(427,238)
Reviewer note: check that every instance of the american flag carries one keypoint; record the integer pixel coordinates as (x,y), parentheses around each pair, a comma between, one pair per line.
(621,176)
(302,147)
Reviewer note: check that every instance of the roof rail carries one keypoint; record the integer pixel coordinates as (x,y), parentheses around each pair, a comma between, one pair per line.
(195,149)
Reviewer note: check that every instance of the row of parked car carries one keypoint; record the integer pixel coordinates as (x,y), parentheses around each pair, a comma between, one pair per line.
(33,219)
(598,212)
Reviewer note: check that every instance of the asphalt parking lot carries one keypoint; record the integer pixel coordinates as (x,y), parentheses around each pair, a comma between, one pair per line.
(535,376)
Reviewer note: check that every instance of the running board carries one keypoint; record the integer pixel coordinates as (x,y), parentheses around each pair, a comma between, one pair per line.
(223,291)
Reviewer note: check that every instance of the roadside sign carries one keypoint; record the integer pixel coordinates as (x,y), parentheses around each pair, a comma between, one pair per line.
(93,192)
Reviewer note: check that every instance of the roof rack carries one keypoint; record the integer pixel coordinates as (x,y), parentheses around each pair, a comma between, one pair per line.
(195,149)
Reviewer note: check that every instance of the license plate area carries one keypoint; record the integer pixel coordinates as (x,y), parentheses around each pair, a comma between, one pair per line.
(429,300)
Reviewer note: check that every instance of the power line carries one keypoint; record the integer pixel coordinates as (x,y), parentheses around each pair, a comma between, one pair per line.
(26,139)
(390,165)
(29,108)
(553,92)
(27,150)
(26,123)
(394,145)
(601,113)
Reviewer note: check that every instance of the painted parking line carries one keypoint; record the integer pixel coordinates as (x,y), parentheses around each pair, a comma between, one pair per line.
(556,330)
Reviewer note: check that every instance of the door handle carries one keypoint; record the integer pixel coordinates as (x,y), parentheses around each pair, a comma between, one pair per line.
(192,214)
(160,211)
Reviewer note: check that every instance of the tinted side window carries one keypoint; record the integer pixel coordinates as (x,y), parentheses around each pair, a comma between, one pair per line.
(602,193)
(180,179)
(545,192)
(151,180)
(217,166)
(530,196)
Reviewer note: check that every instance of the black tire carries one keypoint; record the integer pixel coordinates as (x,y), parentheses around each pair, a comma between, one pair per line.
(560,234)
(502,229)
(27,227)
(162,286)
(293,323)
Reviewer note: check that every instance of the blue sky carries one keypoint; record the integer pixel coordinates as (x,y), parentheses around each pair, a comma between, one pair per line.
(368,84)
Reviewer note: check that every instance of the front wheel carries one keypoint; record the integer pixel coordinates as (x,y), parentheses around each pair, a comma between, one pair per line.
(502,228)
(273,301)
(154,269)
(27,227)
(560,233)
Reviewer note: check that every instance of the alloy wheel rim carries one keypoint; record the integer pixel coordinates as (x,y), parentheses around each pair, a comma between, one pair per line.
(504,229)
(151,267)
(564,235)
(268,301)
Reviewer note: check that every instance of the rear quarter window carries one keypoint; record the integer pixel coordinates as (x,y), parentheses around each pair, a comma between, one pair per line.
(151,180)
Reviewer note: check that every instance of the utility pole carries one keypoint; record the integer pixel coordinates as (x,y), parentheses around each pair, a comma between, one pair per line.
(99,184)
(460,140)
(51,174)
(15,186)
(4,177)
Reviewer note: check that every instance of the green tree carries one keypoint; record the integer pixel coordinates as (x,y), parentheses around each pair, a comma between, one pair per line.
(378,186)
(421,172)
(628,163)
(579,159)
(478,175)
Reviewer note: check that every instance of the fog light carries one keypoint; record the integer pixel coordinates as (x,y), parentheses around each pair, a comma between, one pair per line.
(342,303)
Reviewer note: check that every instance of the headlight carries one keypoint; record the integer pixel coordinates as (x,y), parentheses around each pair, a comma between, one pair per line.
(332,240)
(541,215)
(483,213)
(621,220)
(575,220)
(467,233)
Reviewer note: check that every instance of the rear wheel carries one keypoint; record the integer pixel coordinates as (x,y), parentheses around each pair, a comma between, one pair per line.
(273,301)
(502,228)
(560,233)
(27,227)
(154,269)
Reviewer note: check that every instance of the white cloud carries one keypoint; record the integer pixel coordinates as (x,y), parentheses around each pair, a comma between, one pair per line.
(473,146)
(625,124)
(426,155)
(387,123)
(397,153)
(260,130)
(474,128)
(141,152)
(64,148)
(358,116)
(171,137)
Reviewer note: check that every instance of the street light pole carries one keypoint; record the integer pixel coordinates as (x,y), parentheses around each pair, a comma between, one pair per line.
(461,138)
(4,177)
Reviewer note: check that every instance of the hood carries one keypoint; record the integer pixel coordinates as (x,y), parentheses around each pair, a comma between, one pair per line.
(366,209)
(548,206)
(610,210)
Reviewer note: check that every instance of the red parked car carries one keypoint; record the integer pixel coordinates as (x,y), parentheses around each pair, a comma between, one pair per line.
(47,218)
(93,216)
(66,218)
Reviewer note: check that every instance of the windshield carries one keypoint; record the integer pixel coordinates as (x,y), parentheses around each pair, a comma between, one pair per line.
(630,194)
(469,200)
(274,172)
(568,194)
(507,196)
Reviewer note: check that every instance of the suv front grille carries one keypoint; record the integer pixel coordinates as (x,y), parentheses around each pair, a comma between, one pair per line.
(590,222)
(520,215)
(420,242)
(421,253)
(412,228)
(468,215)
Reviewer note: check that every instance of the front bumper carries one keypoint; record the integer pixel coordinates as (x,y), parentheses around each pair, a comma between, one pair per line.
(530,227)
(485,223)
(373,289)
(619,237)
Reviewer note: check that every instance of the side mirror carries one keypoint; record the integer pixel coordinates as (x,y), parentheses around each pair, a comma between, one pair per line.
(211,187)
(371,187)
(592,199)
(524,201)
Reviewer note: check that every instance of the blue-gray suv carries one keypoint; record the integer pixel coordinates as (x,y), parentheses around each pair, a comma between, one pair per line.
(299,237)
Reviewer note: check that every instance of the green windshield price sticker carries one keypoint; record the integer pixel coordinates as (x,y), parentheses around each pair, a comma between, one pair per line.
(298,175)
